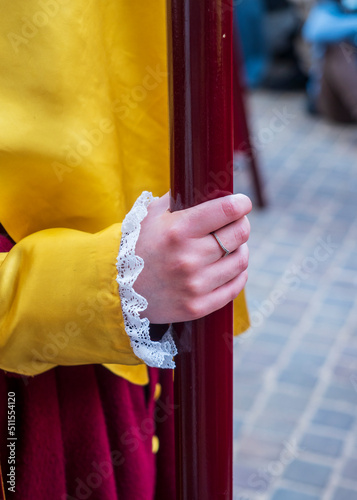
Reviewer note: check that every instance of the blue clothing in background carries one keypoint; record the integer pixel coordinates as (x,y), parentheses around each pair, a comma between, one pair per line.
(327,24)
(249,18)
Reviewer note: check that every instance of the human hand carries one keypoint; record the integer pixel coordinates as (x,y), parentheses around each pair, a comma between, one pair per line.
(184,276)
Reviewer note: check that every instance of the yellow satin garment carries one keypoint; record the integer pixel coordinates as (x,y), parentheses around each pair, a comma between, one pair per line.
(84,130)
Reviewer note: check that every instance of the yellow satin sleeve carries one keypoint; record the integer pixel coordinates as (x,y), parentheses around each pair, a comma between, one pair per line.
(241,320)
(59,303)
(84,130)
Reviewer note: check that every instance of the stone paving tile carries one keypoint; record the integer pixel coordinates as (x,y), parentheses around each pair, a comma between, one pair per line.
(322,445)
(337,322)
(342,393)
(287,403)
(345,494)
(308,473)
(350,469)
(350,351)
(345,370)
(245,477)
(351,262)
(244,402)
(334,309)
(339,303)
(273,339)
(319,339)
(295,376)
(284,494)
(296,369)
(237,426)
(336,419)
(308,360)
(261,357)
(259,446)
(275,425)
(322,345)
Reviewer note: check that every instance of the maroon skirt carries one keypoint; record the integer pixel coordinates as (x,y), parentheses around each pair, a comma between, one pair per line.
(84,433)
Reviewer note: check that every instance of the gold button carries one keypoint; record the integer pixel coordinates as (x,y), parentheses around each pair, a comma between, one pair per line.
(157,392)
(155,444)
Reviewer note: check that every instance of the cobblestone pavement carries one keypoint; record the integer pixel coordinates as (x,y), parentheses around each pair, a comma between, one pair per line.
(295,396)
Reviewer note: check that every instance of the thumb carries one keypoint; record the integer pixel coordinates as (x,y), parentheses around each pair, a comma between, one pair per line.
(160,205)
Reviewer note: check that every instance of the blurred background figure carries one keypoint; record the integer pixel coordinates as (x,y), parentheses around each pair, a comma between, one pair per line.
(250,19)
(295,397)
(331,28)
(270,33)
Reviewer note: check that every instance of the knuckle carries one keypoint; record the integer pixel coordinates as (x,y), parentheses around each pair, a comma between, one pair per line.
(229,207)
(174,235)
(246,226)
(194,310)
(244,258)
(193,287)
(240,284)
(185,269)
(234,294)
(248,203)
(242,232)
(181,267)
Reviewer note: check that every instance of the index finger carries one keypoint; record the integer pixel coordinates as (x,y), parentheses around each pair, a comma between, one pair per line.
(214,214)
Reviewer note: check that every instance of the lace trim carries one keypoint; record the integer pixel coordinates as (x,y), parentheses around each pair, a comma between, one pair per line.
(157,354)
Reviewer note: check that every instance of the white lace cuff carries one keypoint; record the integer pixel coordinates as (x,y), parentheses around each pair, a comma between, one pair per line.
(157,354)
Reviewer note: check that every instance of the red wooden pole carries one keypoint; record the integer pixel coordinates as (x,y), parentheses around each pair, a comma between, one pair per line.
(242,140)
(200,74)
